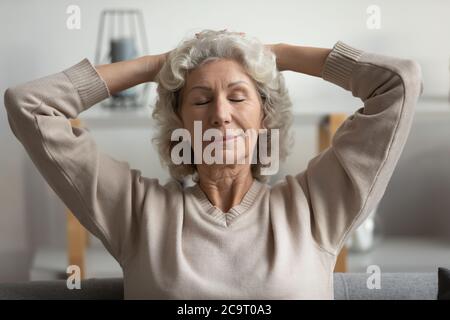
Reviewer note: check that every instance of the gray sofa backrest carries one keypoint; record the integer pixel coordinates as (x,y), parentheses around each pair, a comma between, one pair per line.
(393,286)
(347,286)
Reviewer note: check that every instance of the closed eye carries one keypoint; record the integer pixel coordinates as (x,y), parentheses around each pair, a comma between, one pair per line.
(199,104)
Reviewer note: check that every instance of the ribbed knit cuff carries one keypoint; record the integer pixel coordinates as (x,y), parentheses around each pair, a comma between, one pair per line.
(340,63)
(90,86)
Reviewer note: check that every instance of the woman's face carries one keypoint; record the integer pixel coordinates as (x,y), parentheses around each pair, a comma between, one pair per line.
(222,96)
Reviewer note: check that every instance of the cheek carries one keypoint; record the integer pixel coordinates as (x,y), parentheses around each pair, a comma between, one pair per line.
(191,113)
(188,116)
(252,117)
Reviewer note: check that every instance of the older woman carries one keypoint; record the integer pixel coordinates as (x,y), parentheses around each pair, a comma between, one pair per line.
(230,235)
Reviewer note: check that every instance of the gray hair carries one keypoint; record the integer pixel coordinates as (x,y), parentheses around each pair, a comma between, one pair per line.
(259,63)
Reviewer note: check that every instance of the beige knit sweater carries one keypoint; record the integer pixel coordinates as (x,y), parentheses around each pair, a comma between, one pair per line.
(280,242)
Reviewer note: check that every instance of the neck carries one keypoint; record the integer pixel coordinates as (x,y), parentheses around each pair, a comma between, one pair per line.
(225,187)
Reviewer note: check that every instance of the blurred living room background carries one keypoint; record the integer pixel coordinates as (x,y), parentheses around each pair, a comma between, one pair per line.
(410,230)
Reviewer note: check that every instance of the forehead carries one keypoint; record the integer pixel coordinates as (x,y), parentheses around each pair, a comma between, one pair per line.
(217,73)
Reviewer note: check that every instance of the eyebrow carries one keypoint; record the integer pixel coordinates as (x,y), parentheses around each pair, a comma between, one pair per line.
(209,89)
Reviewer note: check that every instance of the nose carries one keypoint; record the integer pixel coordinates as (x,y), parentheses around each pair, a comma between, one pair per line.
(220,112)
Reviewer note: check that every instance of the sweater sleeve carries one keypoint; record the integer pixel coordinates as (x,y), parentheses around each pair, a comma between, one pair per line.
(344,183)
(100,191)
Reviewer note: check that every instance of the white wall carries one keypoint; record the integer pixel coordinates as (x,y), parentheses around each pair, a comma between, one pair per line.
(34,42)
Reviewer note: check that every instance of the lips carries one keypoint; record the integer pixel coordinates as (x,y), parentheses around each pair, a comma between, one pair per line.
(225,138)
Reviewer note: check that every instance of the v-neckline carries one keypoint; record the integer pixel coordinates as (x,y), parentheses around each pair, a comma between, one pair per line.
(226,218)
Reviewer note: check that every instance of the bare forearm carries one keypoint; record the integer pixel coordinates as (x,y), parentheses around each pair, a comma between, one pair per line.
(126,74)
(307,60)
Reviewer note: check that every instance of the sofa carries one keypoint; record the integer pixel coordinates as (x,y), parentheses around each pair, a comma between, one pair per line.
(347,286)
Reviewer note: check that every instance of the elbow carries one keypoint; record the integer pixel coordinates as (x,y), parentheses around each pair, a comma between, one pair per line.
(11,100)
(16,99)
(412,77)
(8,98)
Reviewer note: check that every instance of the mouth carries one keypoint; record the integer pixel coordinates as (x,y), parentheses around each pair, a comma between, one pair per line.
(226,138)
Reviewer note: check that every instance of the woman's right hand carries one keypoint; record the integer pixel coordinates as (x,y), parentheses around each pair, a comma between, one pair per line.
(154,63)
(126,74)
